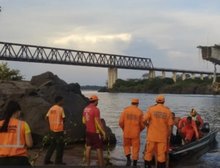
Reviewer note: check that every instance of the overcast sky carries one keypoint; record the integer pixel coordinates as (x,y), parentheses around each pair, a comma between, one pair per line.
(167,31)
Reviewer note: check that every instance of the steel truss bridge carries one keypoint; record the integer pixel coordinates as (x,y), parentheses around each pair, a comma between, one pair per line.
(42,54)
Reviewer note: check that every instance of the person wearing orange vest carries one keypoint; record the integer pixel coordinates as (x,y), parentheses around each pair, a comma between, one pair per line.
(159,121)
(131,122)
(188,129)
(56,118)
(15,137)
(94,130)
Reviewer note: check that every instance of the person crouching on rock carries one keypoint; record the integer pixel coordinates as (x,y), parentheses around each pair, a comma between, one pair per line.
(56,118)
(15,137)
(94,130)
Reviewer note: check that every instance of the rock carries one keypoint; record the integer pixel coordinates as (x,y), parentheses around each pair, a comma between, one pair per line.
(50,86)
(110,136)
(37,96)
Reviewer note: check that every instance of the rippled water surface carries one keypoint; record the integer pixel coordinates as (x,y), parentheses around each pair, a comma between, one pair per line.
(112,104)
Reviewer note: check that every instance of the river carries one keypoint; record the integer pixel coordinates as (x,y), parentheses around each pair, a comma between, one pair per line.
(112,104)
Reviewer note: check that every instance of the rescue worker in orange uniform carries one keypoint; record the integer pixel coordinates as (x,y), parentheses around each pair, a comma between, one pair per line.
(56,117)
(94,130)
(197,118)
(159,120)
(15,137)
(188,129)
(131,122)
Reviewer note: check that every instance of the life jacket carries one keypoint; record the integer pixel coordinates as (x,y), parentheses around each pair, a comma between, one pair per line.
(56,119)
(12,142)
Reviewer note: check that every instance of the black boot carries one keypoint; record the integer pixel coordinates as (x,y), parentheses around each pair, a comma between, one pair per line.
(147,164)
(161,164)
(134,162)
(128,160)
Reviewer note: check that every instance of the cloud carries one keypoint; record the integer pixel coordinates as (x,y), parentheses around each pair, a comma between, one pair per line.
(168,32)
(81,38)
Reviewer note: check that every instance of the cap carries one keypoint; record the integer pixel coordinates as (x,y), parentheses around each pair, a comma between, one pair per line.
(134,100)
(160,99)
(93,98)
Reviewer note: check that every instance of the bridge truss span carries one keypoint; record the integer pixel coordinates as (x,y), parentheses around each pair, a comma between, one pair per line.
(41,54)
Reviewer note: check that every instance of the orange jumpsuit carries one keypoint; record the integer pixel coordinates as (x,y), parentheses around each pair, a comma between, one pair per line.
(131,123)
(159,118)
(188,130)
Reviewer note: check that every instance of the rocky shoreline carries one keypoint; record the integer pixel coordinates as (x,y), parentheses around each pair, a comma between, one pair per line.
(36,97)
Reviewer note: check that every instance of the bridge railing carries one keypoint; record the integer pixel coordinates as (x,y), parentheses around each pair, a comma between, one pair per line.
(33,53)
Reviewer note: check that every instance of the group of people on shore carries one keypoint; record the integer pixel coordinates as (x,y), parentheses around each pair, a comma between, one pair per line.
(164,130)
(159,121)
(15,135)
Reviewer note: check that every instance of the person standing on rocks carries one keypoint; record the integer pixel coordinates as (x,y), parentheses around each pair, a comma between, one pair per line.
(56,118)
(94,130)
(15,137)
(131,122)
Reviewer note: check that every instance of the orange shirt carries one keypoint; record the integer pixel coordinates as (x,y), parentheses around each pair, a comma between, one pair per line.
(12,142)
(159,118)
(131,121)
(56,116)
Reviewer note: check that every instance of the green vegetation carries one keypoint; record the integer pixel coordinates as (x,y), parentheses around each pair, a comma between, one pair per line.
(9,74)
(166,85)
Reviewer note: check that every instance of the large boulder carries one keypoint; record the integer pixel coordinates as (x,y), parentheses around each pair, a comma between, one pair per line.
(37,96)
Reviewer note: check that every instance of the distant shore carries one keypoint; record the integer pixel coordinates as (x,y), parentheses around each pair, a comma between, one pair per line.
(166,85)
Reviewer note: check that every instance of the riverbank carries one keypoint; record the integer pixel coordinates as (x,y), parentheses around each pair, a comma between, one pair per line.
(73,156)
(166,85)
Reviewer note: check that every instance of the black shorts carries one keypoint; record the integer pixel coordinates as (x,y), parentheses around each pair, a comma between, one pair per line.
(94,140)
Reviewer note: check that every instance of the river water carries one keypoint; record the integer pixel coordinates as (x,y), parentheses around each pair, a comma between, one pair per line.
(112,104)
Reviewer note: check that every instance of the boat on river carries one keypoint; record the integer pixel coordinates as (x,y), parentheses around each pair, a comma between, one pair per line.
(193,147)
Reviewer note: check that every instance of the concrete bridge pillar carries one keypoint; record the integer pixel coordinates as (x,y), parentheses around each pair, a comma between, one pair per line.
(210,76)
(193,75)
(214,75)
(174,77)
(201,76)
(152,74)
(183,76)
(112,77)
(163,74)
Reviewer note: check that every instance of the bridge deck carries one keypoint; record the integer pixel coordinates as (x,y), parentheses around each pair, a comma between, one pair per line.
(42,54)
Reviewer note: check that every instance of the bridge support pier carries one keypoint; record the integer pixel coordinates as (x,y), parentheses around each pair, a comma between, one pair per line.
(112,77)
(214,74)
(201,76)
(152,74)
(193,76)
(163,74)
(183,76)
(174,77)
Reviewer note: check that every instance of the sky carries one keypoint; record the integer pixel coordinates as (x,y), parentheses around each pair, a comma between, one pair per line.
(167,31)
